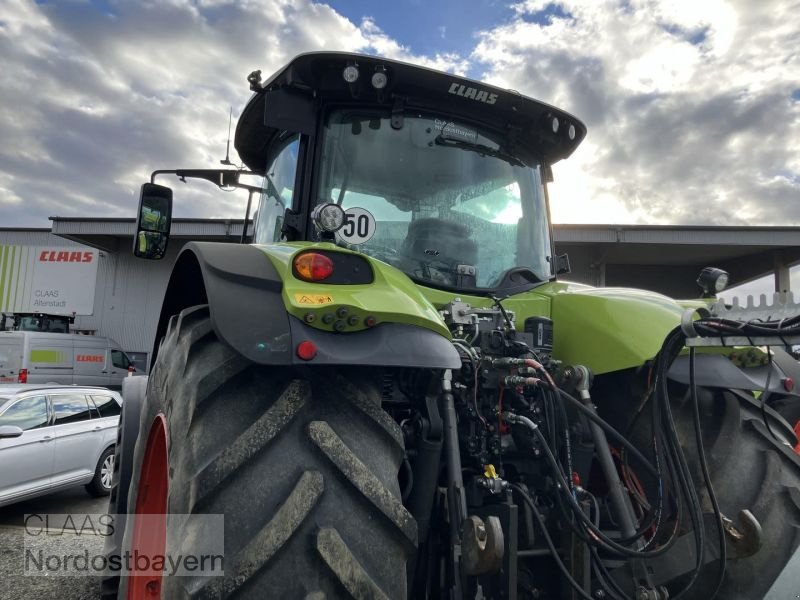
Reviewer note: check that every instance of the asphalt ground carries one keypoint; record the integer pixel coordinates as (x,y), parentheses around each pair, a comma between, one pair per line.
(53,538)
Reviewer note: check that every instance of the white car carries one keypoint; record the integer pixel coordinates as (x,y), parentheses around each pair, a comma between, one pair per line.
(53,437)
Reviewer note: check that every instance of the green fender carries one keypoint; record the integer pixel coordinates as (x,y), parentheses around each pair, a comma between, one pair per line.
(391,298)
(608,329)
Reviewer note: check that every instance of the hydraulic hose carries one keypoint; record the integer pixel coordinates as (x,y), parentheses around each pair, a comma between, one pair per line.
(707,478)
(606,542)
(594,417)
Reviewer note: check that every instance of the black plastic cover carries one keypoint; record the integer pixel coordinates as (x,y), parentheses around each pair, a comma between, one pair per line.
(243,291)
(316,77)
(715,370)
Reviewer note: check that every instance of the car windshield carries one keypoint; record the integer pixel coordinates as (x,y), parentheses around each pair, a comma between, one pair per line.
(436,198)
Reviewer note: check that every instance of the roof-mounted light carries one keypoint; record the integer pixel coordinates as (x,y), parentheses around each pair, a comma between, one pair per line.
(571,132)
(379,79)
(350,73)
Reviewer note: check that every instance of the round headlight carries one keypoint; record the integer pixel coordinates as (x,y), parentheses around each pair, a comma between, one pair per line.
(554,124)
(379,80)
(571,131)
(328,217)
(350,73)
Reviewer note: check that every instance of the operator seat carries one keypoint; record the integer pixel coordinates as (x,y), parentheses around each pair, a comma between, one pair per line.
(435,239)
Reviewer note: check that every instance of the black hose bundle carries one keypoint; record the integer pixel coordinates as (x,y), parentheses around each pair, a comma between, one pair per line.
(669,467)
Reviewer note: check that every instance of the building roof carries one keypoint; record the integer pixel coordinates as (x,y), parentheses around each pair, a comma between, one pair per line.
(113,235)
(667,258)
(664,258)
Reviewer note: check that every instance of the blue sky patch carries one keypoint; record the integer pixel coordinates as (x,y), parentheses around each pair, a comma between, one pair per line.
(429,27)
(796,95)
(547,14)
(696,37)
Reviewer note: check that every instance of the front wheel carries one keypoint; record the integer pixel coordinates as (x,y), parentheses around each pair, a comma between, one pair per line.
(100,485)
(302,464)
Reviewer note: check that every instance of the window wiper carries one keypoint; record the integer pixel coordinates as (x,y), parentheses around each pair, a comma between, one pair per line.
(440,140)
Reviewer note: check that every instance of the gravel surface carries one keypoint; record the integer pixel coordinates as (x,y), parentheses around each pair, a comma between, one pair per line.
(55,541)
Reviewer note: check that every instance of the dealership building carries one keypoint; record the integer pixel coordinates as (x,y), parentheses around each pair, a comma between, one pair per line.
(119,296)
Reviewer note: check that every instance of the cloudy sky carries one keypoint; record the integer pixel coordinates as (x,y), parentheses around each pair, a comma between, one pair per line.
(693,107)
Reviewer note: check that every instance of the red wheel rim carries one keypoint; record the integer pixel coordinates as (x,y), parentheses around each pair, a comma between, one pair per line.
(150,534)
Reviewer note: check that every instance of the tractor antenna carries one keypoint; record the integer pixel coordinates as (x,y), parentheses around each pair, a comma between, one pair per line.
(226,160)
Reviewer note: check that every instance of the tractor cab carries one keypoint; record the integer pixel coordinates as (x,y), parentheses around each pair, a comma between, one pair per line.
(439,176)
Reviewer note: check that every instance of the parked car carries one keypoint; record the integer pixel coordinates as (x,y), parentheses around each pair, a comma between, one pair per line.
(55,436)
(65,358)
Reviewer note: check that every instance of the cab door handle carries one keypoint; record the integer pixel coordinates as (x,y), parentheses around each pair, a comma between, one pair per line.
(46,438)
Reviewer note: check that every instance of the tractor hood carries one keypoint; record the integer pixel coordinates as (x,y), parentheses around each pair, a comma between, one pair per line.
(295,97)
(608,329)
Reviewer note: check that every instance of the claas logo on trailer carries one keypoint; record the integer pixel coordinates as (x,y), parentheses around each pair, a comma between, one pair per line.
(65,256)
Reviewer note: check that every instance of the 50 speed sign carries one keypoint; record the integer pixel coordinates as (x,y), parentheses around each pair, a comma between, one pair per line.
(359,226)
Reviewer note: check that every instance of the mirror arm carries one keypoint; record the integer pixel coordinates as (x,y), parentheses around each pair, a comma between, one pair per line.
(215,176)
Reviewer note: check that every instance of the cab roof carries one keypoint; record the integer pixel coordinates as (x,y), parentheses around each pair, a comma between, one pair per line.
(294,96)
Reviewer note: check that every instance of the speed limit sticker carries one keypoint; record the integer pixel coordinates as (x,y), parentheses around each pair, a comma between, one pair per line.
(359,226)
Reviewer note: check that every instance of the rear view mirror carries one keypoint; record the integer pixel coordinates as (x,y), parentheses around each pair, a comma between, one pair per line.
(153,222)
(10,431)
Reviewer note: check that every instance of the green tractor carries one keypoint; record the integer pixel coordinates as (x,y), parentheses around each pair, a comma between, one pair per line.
(388,392)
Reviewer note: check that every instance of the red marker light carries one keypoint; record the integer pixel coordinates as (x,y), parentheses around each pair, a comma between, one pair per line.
(306,350)
(788,384)
(313,266)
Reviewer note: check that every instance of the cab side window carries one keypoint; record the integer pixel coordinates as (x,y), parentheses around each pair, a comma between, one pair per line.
(119,359)
(28,413)
(277,191)
(70,408)
(106,406)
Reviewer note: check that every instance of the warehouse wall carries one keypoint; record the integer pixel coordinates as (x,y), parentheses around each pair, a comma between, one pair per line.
(128,298)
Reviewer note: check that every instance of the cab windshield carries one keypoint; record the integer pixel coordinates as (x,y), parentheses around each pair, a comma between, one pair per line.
(435,198)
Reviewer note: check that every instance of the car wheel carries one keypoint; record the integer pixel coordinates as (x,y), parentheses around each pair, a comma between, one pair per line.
(103,472)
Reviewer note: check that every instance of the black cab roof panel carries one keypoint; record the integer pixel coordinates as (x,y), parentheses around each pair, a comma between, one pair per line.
(532,130)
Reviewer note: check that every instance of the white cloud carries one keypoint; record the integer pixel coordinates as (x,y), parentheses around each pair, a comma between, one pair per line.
(93,101)
(688,105)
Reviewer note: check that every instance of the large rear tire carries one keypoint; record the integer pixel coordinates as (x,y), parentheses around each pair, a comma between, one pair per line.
(750,469)
(302,463)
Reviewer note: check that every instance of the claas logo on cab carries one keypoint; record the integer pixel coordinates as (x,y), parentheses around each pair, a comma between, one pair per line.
(65,256)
